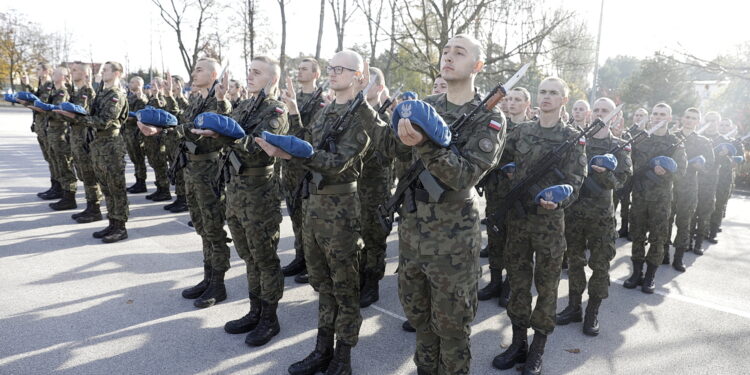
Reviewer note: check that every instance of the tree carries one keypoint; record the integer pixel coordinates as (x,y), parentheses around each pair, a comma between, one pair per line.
(660,79)
(22,45)
(282,54)
(320,28)
(614,72)
(175,16)
(340,17)
(373,13)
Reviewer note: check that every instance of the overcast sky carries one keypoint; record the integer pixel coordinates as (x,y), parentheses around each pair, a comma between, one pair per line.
(631,27)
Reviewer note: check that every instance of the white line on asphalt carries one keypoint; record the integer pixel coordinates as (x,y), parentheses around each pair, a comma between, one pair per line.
(384,311)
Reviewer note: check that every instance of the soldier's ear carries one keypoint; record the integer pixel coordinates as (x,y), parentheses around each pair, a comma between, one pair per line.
(478,66)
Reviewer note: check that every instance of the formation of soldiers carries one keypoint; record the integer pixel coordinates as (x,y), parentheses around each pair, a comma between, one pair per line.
(552,183)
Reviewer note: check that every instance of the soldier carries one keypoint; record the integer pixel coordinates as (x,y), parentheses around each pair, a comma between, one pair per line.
(590,223)
(332,217)
(84,95)
(700,155)
(59,146)
(234,93)
(725,181)
(536,241)
(206,209)
(253,204)
(497,186)
(109,111)
(707,183)
(174,103)
(439,86)
(652,197)
(308,73)
(581,114)
(622,195)
(134,141)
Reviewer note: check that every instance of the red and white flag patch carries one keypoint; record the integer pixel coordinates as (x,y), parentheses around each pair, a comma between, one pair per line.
(628,148)
(582,141)
(279,110)
(115,99)
(495,125)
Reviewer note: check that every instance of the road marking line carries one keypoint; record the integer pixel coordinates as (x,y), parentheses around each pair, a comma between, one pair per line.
(393,314)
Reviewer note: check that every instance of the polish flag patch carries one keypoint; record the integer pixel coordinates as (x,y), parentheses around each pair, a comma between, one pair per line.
(279,110)
(582,141)
(322,104)
(628,148)
(495,125)
(115,99)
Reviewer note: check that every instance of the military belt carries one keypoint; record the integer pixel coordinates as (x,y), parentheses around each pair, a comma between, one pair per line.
(203,157)
(334,189)
(422,195)
(111,132)
(259,171)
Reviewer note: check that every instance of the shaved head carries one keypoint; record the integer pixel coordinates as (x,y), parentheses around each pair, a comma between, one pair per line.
(349,59)
(471,44)
(210,64)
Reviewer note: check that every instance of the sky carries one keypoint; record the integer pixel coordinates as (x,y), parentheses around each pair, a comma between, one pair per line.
(136,34)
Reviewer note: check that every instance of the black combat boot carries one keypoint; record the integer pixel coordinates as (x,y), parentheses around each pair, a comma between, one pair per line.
(267,327)
(138,187)
(180,205)
(666,259)
(698,246)
(341,364)
(51,186)
(504,293)
(105,231)
(591,320)
(196,291)
(67,202)
(648,280)
(712,237)
(623,232)
(294,267)
(677,263)
(533,364)
(493,288)
(94,214)
(370,292)
(572,313)
(564,264)
(485,252)
(118,232)
(162,194)
(302,277)
(516,352)
(319,359)
(248,322)
(54,193)
(637,277)
(215,293)
(406,326)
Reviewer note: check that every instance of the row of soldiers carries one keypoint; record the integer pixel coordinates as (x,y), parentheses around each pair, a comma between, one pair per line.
(333,193)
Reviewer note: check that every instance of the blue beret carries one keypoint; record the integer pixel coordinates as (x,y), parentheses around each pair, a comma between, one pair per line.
(509,168)
(424,116)
(698,160)
(26,96)
(665,162)
(75,108)
(409,95)
(132,114)
(739,159)
(44,106)
(556,193)
(147,86)
(10,98)
(607,161)
(728,147)
(291,144)
(223,125)
(156,117)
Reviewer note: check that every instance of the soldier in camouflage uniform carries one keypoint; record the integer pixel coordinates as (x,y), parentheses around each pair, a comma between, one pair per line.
(59,145)
(590,224)
(84,95)
(108,112)
(652,198)
(536,240)
(134,141)
(685,199)
(154,147)
(175,102)
(707,181)
(332,218)
(497,186)
(622,195)
(308,72)
(725,180)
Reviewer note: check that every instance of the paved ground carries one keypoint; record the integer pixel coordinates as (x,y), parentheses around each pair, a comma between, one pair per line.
(72,305)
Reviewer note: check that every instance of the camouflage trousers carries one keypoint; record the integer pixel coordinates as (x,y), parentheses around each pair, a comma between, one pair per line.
(622,199)
(40,128)
(437,281)
(723,193)
(290,178)
(108,155)
(254,216)
(535,248)
(706,206)
(134,144)
(494,192)
(207,211)
(649,218)
(684,204)
(84,165)
(156,151)
(172,142)
(373,188)
(60,155)
(332,248)
(588,227)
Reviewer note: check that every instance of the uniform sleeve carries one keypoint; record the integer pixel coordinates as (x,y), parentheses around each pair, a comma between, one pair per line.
(575,169)
(617,178)
(680,157)
(350,147)
(223,107)
(108,116)
(382,137)
(275,123)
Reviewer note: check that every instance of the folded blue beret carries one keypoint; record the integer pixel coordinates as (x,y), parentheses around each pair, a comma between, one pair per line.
(409,95)
(607,161)
(739,159)
(509,168)
(728,147)
(44,106)
(156,117)
(132,114)
(556,193)
(424,116)
(26,96)
(74,108)
(698,160)
(291,144)
(223,125)
(147,86)
(665,162)
(10,98)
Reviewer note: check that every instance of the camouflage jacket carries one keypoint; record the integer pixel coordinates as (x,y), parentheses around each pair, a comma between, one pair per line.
(135,103)
(186,116)
(597,187)
(43,92)
(645,181)
(695,145)
(108,111)
(58,97)
(309,116)
(271,117)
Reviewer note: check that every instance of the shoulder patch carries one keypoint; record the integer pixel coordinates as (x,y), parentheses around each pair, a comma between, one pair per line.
(582,140)
(279,110)
(627,148)
(486,145)
(115,99)
(494,125)
(361,138)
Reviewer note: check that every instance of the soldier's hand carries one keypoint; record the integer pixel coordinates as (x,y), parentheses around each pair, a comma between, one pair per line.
(272,150)
(222,87)
(598,169)
(547,205)
(24,78)
(365,77)
(148,130)
(205,133)
(659,170)
(168,85)
(408,134)
(328,98)
(64,113)
(289,97)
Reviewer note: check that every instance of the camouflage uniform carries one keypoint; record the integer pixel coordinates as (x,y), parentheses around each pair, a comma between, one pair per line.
(590,221)
(108,111)
(39,126)
(652,200)
(439,243)
(84,97)
(134,140)
(170,143)
(724,187)
(59,145)
(707,182)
